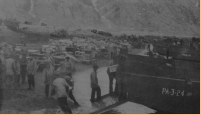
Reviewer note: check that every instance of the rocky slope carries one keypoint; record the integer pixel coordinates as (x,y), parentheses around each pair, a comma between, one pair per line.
(168,17)
(161,16)
(59,13)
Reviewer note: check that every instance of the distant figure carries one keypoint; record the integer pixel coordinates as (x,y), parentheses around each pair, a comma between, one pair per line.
(68,66)
(50,59)
(24,48)
(6,50)
(149,47)
(17,72)
(31,71)
(94,85)
(48,74)
(93,53)
(23,65)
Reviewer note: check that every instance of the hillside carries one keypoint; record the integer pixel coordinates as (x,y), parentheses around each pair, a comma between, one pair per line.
(59,13)
(161,16)
(164,17)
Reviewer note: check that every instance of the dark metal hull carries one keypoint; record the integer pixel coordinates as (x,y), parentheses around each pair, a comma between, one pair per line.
(179,52)
(164,94)
(151,82)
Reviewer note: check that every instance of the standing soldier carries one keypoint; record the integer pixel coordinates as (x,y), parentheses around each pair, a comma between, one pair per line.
(24,49)
(50,59)
(112,76)
(6,50)
(68,66)
(10,71)
(23,66)
(48,74)
(17,73)
(94,85)
(149,47)
(31,70)
(93,53)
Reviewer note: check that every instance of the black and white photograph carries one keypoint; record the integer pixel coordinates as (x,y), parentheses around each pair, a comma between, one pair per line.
(99,56)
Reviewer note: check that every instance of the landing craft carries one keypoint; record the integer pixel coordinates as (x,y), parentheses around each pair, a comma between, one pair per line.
(171,85)
(167,85)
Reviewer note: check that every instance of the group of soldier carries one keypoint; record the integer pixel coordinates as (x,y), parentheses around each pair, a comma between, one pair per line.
(17,69)
(62,85)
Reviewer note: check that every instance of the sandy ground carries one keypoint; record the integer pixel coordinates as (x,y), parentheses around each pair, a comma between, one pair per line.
(23,101)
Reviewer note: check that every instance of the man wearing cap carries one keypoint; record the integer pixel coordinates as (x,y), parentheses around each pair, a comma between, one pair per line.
(94,84)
